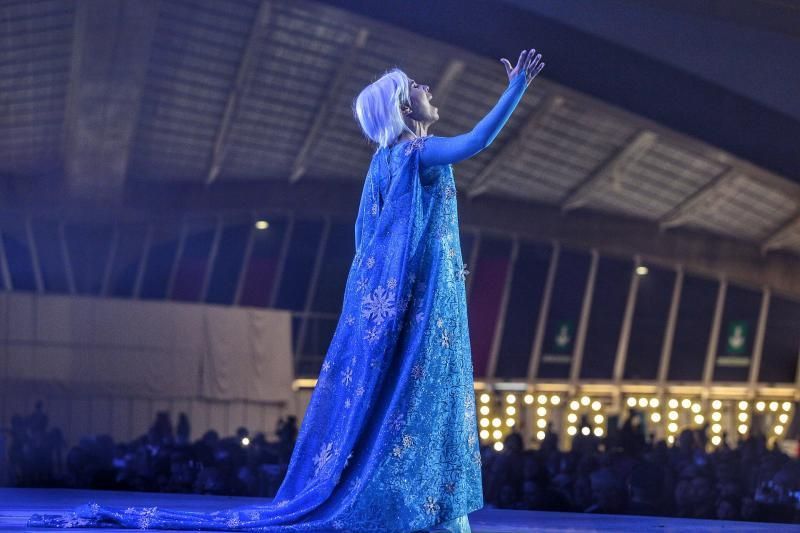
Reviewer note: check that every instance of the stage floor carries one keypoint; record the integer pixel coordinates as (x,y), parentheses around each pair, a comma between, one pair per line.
(16,505)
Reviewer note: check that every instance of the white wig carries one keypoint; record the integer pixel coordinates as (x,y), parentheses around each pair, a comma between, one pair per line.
(377,108)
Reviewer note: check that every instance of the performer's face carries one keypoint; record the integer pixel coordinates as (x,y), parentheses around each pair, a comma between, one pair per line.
(421,108)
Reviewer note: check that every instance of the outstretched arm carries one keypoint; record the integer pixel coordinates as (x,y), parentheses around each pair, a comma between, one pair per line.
(444,150)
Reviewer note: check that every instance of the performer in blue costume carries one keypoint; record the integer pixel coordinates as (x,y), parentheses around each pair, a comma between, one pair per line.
(389,442)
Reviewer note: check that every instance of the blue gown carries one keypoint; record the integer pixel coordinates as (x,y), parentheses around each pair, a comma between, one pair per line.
(389,441)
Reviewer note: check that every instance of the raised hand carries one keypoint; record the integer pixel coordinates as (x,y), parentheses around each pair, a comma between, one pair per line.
(528,65)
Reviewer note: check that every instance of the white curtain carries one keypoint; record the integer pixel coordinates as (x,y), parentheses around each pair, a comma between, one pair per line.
(142,348)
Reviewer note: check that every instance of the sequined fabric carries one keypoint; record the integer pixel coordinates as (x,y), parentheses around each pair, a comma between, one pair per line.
(389,441)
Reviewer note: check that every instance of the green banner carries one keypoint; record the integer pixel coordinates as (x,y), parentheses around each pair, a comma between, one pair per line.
(736,338)
(562,340)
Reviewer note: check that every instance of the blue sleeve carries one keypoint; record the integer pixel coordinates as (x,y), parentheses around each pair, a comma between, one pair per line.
(444,150)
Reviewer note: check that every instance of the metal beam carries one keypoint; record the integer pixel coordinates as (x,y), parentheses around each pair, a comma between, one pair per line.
(176,261)
(513,146)
(248,252)
(322,115)
(243,76)
(112,252)
(797,377)
(110,54)
(627,322)
(148,240)
(212,258)
(544,309)
(37,267)
(669,334)
(758,344)
(701,253)
(580,337)
(790,230)
(711,352)
(4,270)
(444,85)
(704,197)
(276,283)
(609,169)
(499,326)
(62,241)
(312,287)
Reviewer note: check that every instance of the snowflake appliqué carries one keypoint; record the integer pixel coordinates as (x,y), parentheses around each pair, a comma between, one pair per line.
(451,252)
(431,506)
(322,458)
(403,305)
(350,320)
(95,507)
(338,524)
(253,515)
(397,451)
(397,422)
(414,145)
(347,403)
(282,503)
(361,285)
(326,366)
(462,272)
(471,439)
(439,322)
(392,283)
(450,487)
(374,209)
(373,335)
(371,261)
(360,391)
(130,510)
(347,376)
(416,371)
(233,521)
(379,305)
(147,516)
(449,192)
(408,441)
(445,339)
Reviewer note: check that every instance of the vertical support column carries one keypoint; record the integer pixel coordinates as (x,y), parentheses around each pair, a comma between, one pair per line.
(580,338)
(711,353)
(625,333)
(137,288)
(212,257)
(112,252)
(62,241)
(37,270)
(758,344)
(544,309)
(312,286)
(4,270)
(173,272)
(501,319)
(797,378)
(669,334)
(248,252)
(282,261)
